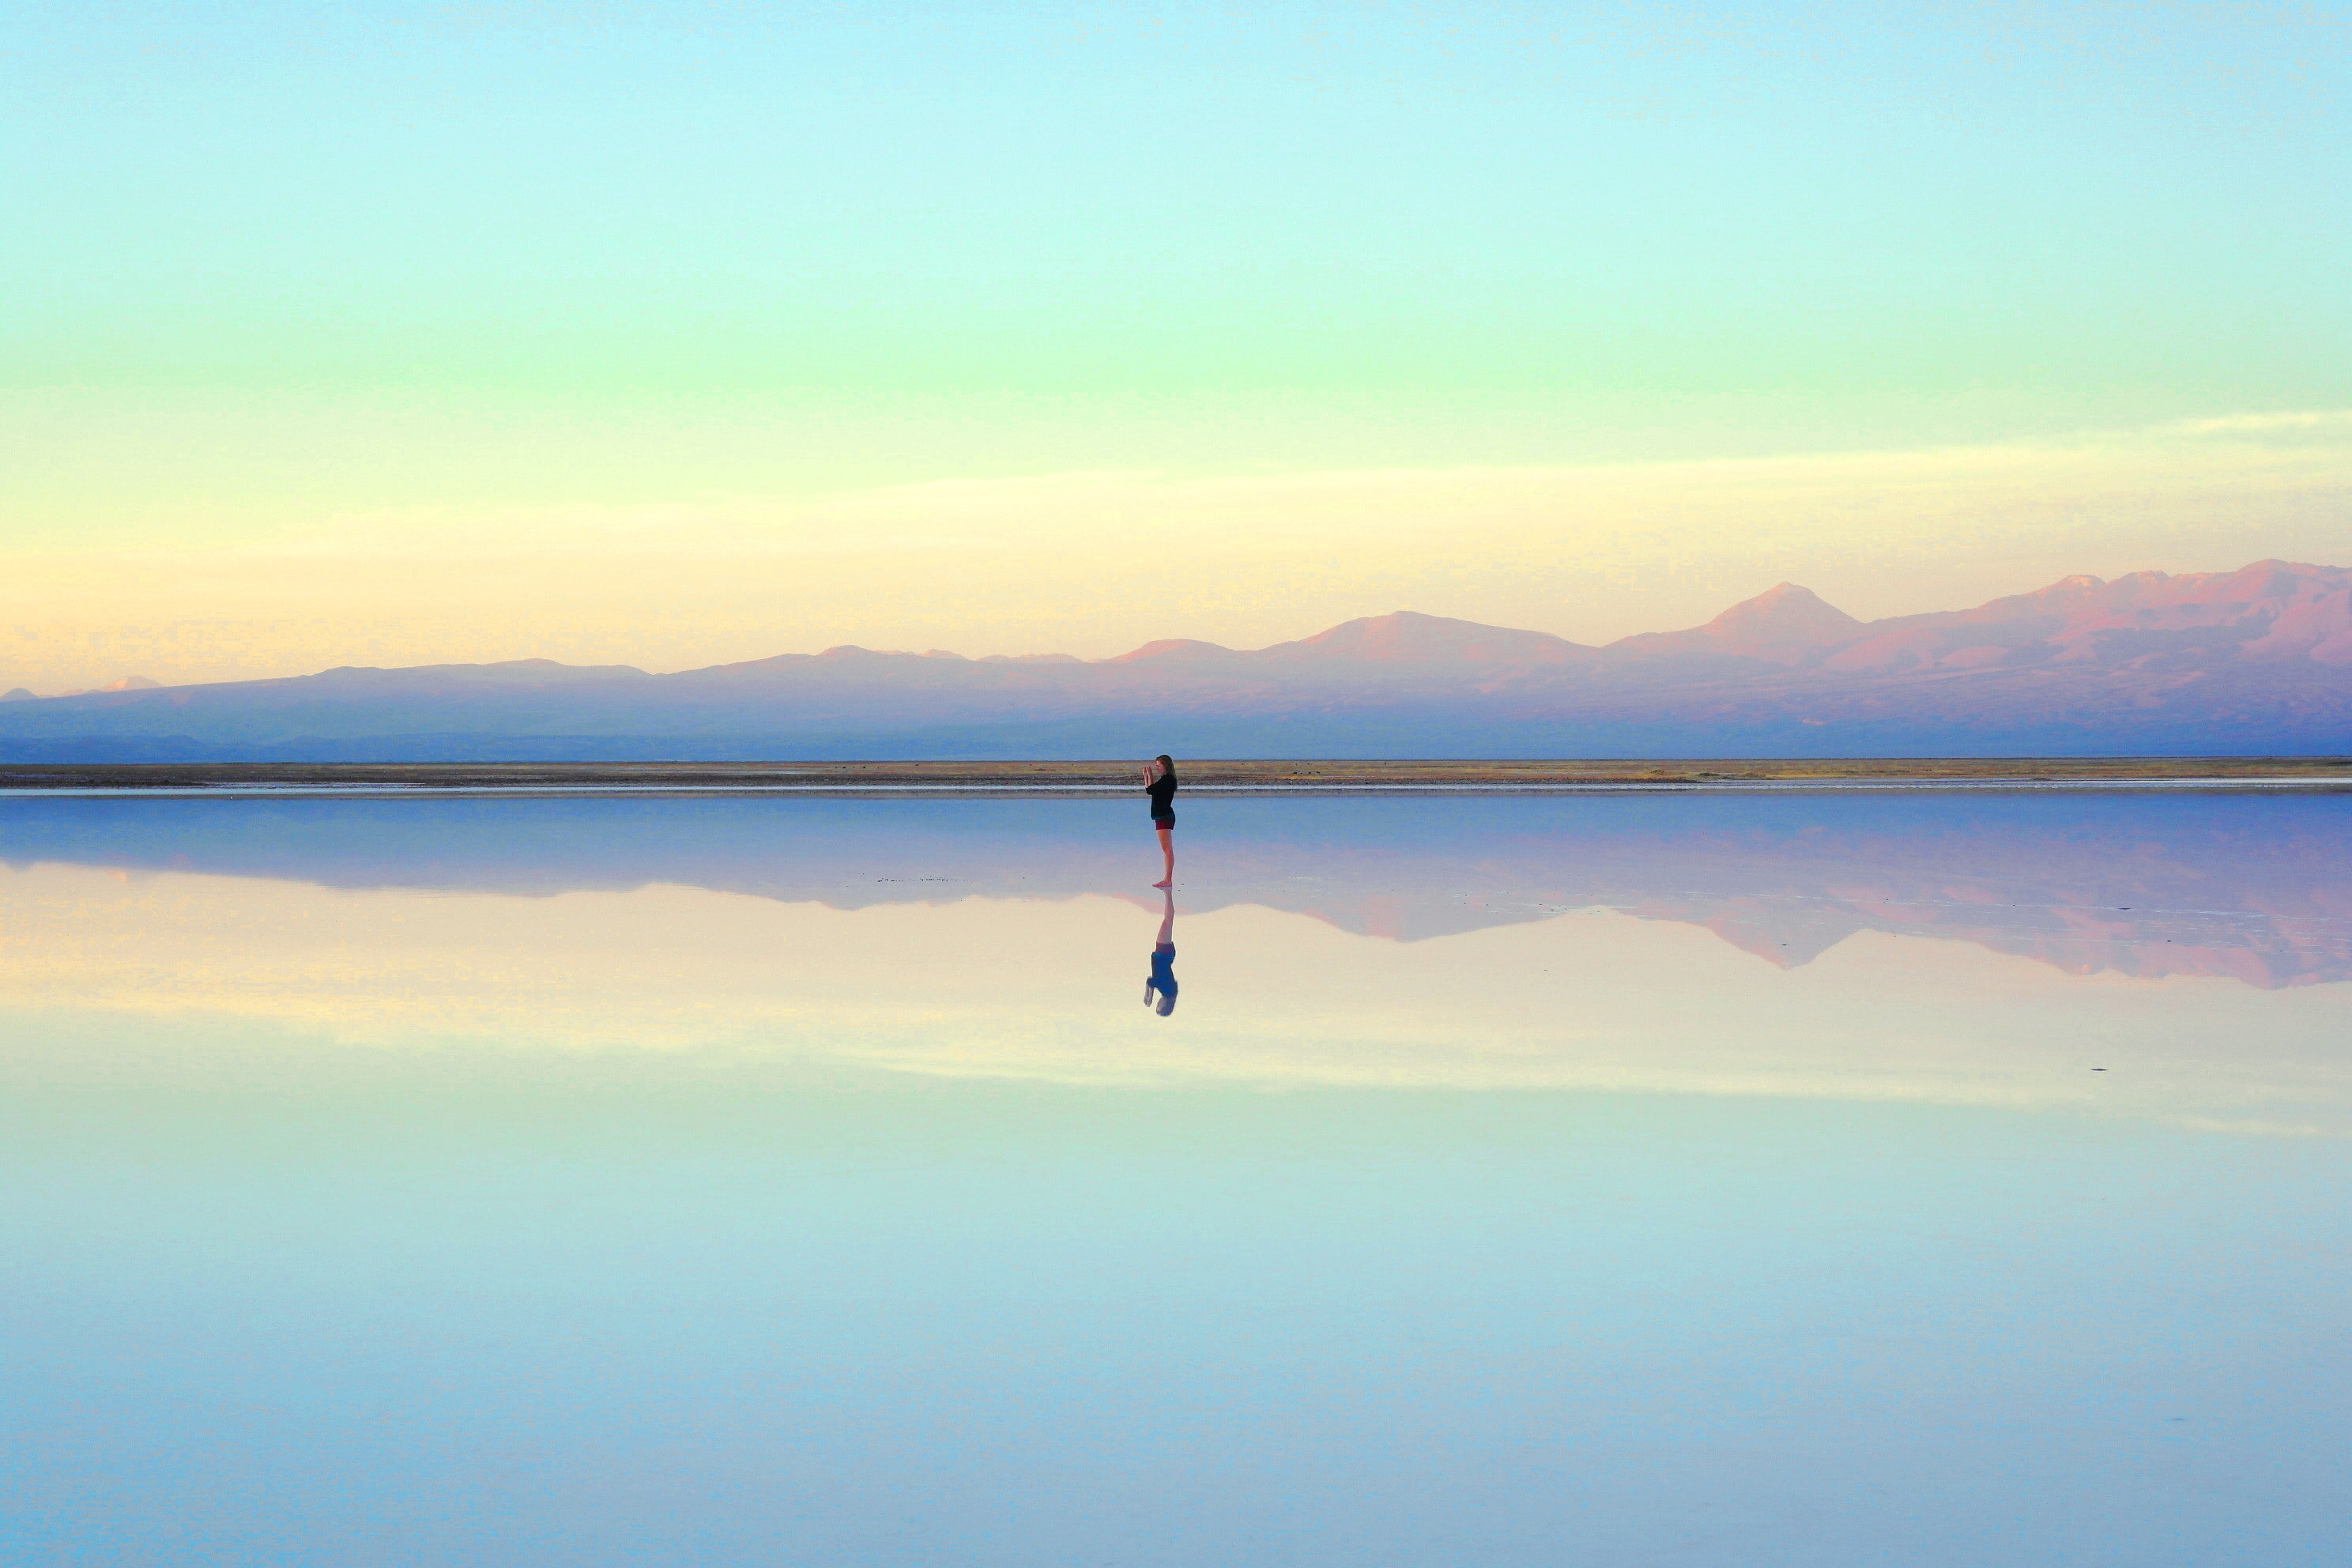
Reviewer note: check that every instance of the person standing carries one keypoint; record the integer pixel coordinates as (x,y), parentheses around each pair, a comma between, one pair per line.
(1159,779)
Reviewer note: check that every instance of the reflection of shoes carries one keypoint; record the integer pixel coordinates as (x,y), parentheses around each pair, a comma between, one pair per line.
(1158,884)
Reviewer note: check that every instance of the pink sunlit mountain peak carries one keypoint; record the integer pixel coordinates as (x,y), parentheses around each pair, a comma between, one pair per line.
(1409,636)
(1171,648)
(1783,621)
(1786,624)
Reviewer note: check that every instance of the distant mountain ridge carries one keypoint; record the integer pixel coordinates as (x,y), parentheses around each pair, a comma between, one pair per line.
(2259,659)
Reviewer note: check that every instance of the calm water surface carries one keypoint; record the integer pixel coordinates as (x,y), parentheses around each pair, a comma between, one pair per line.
(1709,1180)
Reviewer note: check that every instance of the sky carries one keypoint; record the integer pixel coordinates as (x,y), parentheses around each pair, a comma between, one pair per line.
(675,333)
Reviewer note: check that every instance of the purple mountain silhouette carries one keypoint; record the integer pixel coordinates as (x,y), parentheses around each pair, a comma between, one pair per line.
(2258,659)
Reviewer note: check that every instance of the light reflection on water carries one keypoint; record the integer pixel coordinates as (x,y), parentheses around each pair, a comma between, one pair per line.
(1697,1179)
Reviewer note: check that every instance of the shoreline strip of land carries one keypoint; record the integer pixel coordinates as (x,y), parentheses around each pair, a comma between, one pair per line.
(1050,778)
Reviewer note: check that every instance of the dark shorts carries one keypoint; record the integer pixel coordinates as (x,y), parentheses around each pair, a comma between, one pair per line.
(1167,821)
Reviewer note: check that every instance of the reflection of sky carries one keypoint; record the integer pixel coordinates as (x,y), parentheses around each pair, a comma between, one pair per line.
(919,1239)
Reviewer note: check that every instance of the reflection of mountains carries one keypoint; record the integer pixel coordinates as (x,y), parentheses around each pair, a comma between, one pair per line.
(2257,889)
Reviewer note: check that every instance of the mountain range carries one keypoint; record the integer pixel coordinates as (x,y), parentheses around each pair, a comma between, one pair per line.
(2256,660)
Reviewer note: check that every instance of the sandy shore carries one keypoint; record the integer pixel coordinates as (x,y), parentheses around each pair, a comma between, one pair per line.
(1045,778)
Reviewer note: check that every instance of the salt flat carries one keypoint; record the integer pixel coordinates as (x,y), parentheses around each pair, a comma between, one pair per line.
(1704,1178)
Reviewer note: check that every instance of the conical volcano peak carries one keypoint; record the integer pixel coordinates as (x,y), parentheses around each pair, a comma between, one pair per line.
(1787,607)
(1408,635)
(1785,624)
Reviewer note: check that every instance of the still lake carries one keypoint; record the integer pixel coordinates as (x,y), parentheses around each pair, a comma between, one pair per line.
(1699,1179)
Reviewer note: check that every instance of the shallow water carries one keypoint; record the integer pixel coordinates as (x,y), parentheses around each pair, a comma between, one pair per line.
(1804,1178)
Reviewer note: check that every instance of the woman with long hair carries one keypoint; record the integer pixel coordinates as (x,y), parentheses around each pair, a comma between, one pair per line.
(1159,779)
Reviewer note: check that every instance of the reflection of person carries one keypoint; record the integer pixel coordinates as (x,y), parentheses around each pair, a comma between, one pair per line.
(1163,963)
(1159,779)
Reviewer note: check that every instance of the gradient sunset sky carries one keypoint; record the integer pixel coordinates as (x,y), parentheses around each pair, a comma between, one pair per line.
(675,333)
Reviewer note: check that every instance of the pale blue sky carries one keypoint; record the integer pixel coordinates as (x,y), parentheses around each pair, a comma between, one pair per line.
(449,288)
(2135,204)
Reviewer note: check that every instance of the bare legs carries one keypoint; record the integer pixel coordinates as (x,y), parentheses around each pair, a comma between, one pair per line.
(1168,853)
(1159,985)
